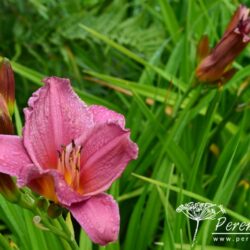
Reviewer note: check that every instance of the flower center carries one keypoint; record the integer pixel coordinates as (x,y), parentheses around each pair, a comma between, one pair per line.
(69,164)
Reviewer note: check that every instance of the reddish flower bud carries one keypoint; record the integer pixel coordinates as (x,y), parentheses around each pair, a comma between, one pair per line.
(6,126)
(8,188)
(7,84)
(215,66)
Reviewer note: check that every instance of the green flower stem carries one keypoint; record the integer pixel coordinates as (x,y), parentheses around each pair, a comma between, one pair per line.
(60,222)
(60,228)
(56,228)
(60,233)
(65,243)
(184,98)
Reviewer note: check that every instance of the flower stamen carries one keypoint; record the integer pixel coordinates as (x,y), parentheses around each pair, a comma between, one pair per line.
(69,163)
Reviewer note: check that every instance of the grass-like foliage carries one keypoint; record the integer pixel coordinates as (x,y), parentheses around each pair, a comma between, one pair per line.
(138,58)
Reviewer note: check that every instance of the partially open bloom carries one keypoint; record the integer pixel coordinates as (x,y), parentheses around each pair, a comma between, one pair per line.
(71,153)
(215,66)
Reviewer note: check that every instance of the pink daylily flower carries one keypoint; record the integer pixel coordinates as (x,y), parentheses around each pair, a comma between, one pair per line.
(71,153)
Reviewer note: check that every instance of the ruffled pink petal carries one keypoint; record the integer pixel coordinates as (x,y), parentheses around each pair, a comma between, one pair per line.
(51,184)
(106,152)
(99,217)
(65,194)
(13,156)
(103,115)
(54,117)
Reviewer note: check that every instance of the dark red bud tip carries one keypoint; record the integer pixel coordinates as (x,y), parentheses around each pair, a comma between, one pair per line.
(240,15)
(7,84)
(8,188)
(243,29)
